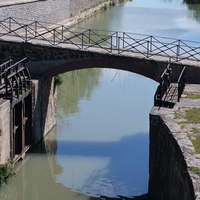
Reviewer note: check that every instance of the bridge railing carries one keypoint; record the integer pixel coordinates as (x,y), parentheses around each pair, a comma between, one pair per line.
(169,93)
(165,82)
(3,73)
(15,79)
(119,42)
(181,82)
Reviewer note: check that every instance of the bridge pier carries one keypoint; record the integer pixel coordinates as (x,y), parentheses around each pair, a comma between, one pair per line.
(44,95)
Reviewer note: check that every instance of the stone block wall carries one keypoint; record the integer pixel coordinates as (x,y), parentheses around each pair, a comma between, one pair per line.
(44,97)
(169,178)
(4,131)
(52,11)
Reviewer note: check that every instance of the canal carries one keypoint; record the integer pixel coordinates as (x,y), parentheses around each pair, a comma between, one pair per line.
(100,145)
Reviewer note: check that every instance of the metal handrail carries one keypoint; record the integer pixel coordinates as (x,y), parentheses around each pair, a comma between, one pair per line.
(163,86)
(15,79)
(56,34)
(181,82)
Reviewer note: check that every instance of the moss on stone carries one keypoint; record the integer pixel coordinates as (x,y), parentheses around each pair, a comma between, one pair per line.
(195,170)
(192,95)
(6,171)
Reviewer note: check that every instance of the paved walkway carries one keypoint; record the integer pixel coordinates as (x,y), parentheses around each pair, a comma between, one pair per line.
(12,2)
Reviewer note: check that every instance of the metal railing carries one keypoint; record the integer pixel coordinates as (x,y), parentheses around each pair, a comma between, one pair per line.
(15,79)
(120,42)
(165,82)
(181,82)
(165,85)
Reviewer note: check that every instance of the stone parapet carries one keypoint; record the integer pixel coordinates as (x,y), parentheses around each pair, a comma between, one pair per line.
(174,162)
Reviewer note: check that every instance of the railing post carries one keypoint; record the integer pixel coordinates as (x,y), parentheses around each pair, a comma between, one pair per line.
(178,51)
(148,49)
(89,36)
(54,36)
(35,28)
(10,19)
(82,40)
(118,45)
(26,33)
(123,39)
(151,41)
(62,33)
(111,44)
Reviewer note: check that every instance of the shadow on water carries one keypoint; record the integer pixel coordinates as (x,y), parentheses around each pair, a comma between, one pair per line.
(142,197)
(121,153)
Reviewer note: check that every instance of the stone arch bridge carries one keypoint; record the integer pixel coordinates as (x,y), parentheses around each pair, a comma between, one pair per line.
(53,48)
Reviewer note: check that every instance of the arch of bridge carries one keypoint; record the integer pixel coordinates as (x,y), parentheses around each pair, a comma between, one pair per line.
(49,61)
(120,63)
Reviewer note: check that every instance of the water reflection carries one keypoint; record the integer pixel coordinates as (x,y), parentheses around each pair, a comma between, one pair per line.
(174,19)
(106,168)
(104,147)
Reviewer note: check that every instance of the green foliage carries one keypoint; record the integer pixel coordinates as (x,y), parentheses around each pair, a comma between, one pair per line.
(77,85)
(192,95)
(192,116)
(58,80)
(6,171)
(196,143)
(196,170)
(192,1)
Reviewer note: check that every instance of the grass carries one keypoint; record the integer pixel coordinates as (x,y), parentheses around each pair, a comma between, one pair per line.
(192,95)
(6,171)
(196,143)
(196,170)
(191,116)
(58,80)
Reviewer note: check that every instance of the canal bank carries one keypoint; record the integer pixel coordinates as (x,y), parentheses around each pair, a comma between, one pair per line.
(174,148)
(15,2)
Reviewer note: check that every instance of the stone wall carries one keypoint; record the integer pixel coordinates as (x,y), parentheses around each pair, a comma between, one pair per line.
(55,11)
(44,97)
(4,131)
(169,177)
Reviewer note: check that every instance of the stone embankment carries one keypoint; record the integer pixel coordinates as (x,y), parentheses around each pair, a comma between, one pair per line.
(175,147)
(55,11)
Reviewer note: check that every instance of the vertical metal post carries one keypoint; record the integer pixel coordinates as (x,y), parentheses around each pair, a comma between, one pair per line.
(82,40)
(123,40)
(62,32)
(117,39)
(111,44)
(89,35)
(35,28)
(54,36)
(10,23)
(148,49)
(26,33)
(151,41)
(178,51)
(119,44)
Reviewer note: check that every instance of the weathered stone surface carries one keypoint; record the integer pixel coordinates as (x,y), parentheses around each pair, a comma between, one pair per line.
(172,127)
(4,131)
